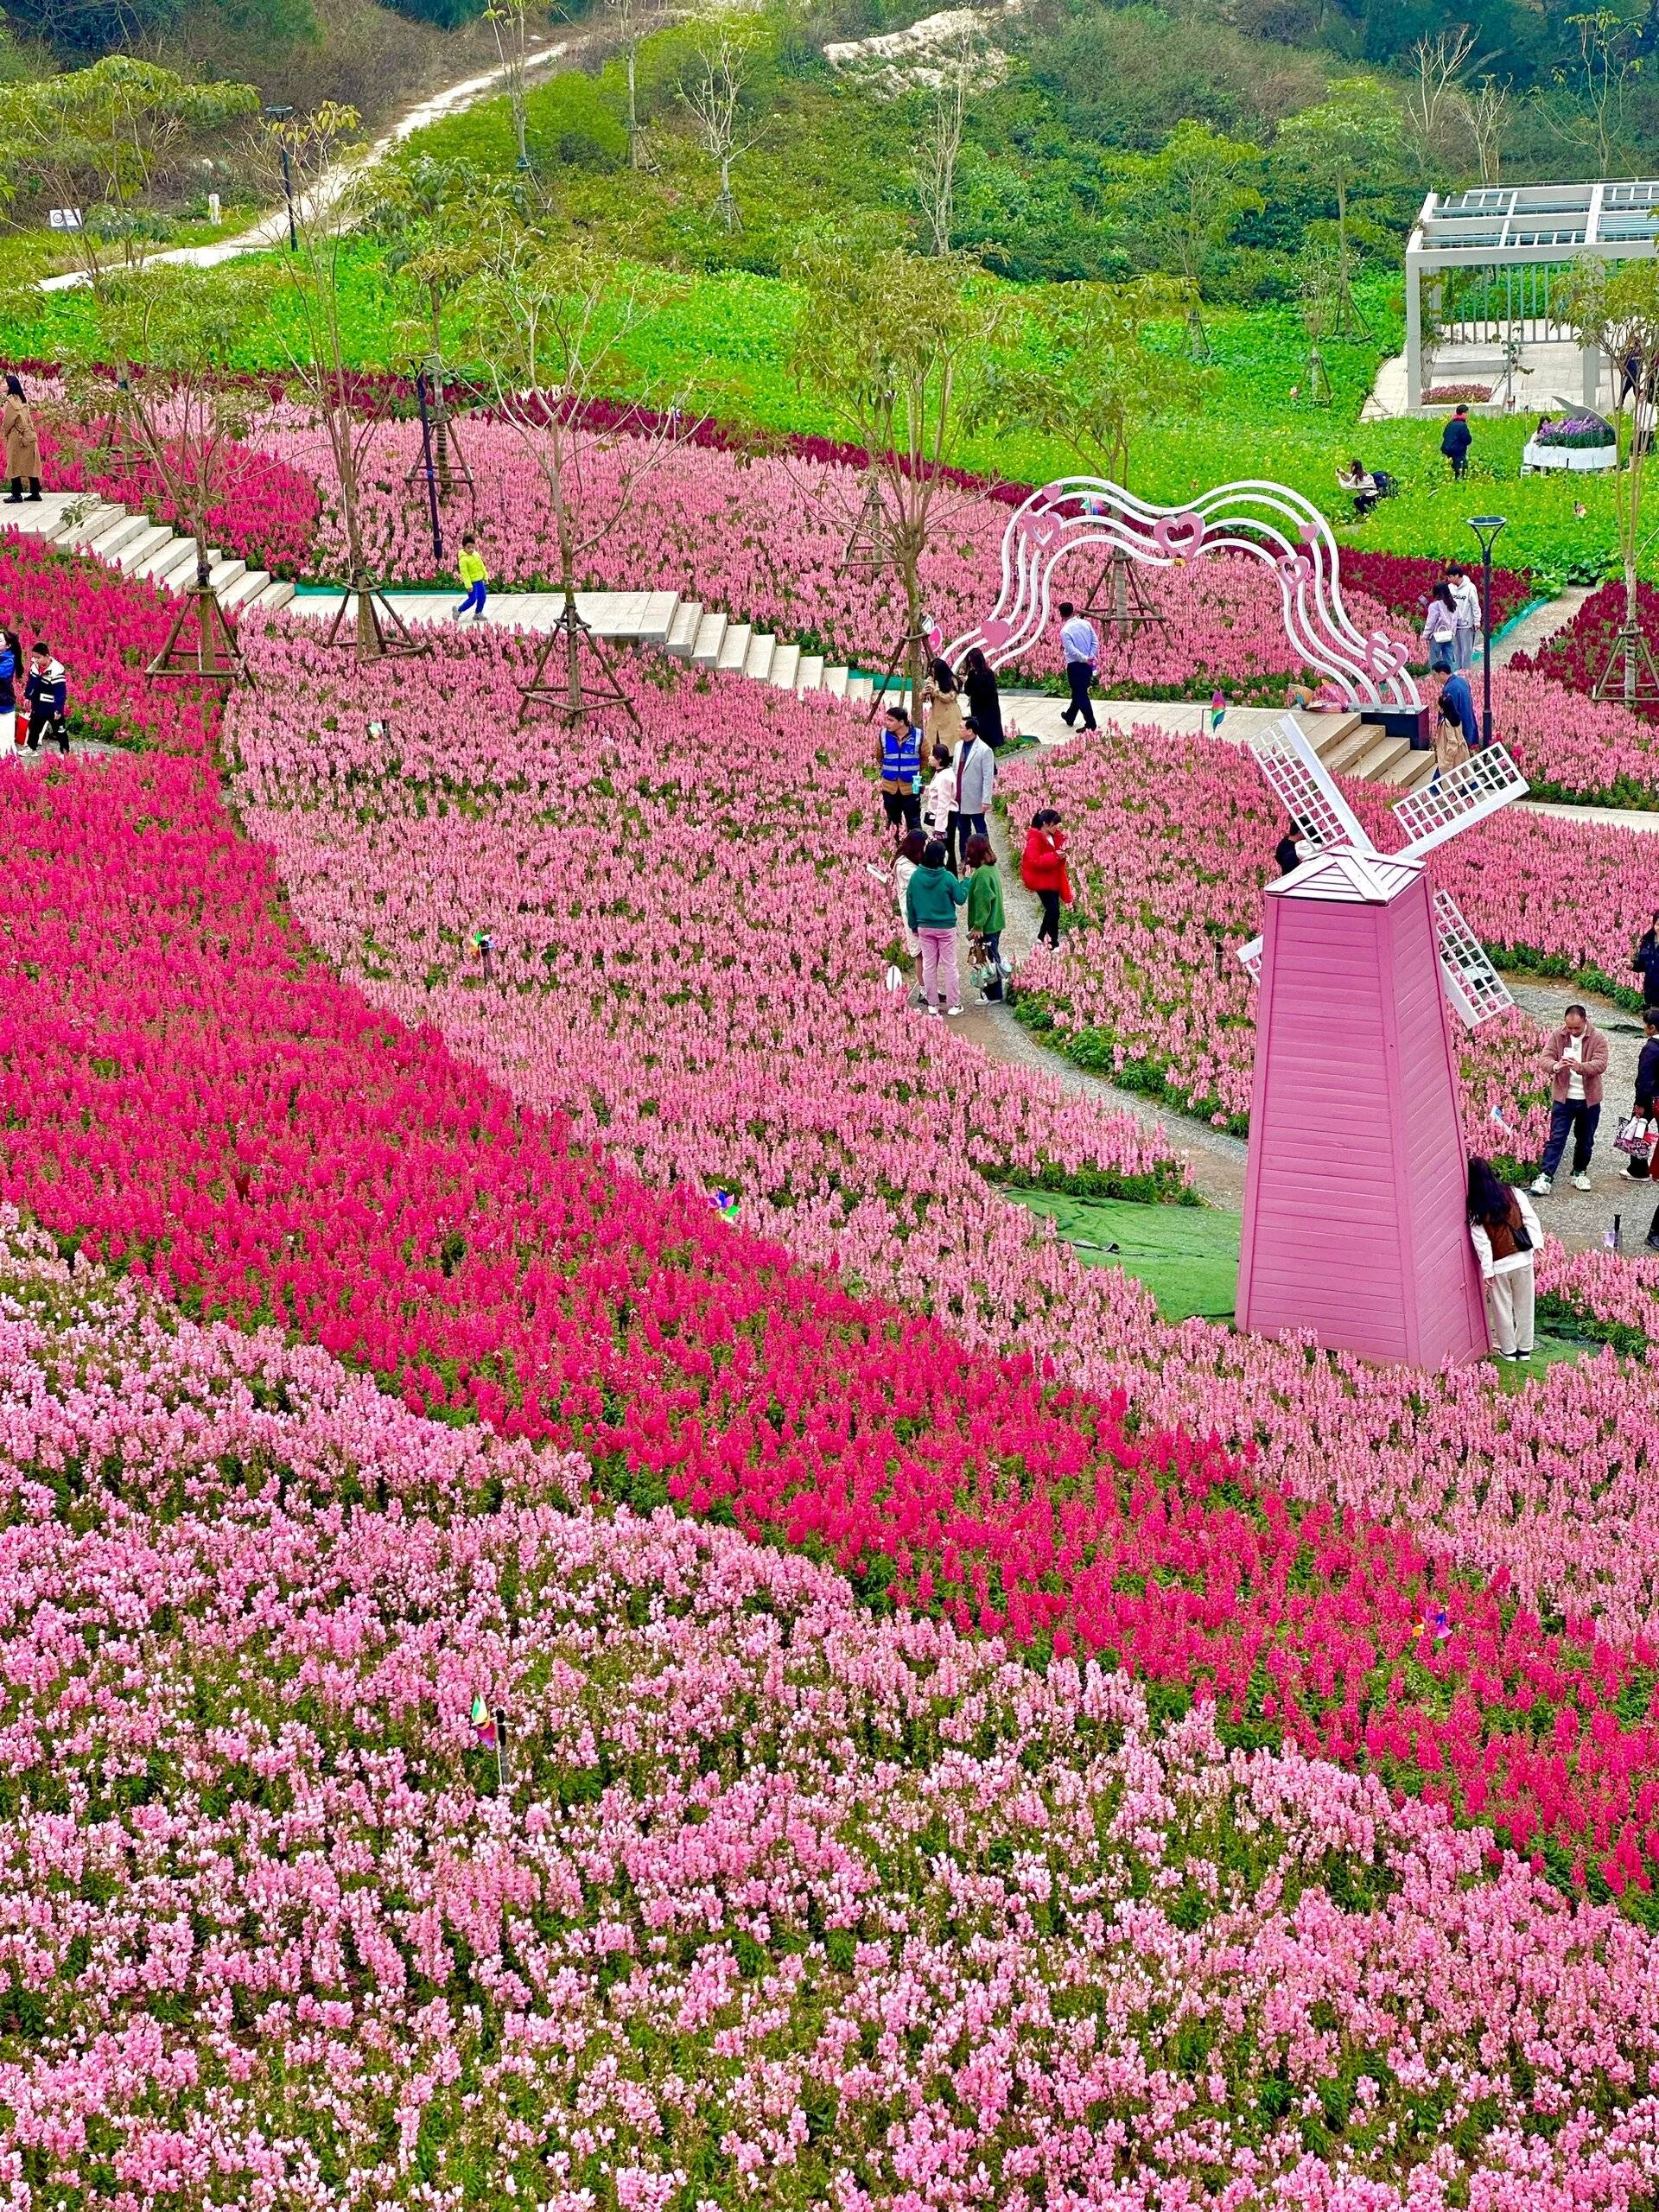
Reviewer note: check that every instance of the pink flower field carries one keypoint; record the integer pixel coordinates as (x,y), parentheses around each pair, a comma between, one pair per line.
(967,1742)
(768,1902)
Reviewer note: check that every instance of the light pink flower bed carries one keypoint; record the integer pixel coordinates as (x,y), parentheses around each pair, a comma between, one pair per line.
(779,1903)
(688,961)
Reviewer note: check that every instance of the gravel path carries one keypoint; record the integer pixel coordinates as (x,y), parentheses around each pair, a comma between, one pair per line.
(1535,629)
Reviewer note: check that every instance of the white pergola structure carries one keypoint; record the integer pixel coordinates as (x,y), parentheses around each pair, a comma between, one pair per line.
(1501,244)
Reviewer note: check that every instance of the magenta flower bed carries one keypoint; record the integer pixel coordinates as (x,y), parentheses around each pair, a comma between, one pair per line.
(106,628)
(267,514)
(288,1928)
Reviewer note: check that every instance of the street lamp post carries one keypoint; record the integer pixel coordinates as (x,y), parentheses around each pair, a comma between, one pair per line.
(282,115)
(1486,528)
(430,472)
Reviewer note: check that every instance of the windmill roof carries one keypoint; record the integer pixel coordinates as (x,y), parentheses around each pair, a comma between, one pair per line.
(1348,878)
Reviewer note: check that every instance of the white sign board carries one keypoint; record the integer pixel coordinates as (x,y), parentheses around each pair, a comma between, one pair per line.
(64,218)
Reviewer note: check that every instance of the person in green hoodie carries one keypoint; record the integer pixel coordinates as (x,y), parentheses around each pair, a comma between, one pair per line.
(930,904)
(985,915)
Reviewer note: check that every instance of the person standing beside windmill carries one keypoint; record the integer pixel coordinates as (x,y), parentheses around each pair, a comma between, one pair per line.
(1576,1059)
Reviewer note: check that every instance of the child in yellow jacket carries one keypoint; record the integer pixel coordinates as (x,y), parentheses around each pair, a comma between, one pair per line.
(476,578)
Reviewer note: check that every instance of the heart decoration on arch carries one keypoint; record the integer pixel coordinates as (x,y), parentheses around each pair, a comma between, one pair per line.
(1177,537)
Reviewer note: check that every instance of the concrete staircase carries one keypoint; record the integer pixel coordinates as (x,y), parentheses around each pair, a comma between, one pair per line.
(77,522)
(1349,747)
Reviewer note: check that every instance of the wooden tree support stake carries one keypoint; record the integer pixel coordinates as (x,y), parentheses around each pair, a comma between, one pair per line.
(214,657)
(380,632)
(1128,608)
(592,693)
(1629,649)
(898,658)
(865,552)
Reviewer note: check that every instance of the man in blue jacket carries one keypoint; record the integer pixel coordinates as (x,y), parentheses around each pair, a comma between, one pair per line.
(1646,963)
(1456,440)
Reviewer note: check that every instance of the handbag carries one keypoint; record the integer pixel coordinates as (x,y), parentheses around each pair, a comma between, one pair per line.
(1636,1137)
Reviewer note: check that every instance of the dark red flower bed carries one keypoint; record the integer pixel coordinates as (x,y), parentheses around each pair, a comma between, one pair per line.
(1403,581)
(1578,654)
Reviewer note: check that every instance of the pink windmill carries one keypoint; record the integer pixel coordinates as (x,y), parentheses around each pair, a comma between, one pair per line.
(1354,1197)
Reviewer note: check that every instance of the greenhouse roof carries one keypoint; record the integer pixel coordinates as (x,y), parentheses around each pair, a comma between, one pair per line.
(1500,223)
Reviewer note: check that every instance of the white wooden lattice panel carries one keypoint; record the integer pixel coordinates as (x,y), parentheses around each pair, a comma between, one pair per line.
(1473,985)
(1303,784)
(1457,800)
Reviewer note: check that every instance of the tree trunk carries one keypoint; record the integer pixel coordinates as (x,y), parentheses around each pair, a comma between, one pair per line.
(634,112)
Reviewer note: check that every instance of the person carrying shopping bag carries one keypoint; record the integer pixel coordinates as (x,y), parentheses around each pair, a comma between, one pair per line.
(986,918)
(1505,1232)
(1637,1137)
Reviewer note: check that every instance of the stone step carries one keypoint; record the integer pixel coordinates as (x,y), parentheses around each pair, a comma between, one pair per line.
(682,630)
(1410,773)
(757,662)
(80,535)
(224,573)
(735,647)
(247,587)
(1329,733)
(835,681)
(785,667)
(657,618)
(809,676)
(1383,754)
(174,565)
(274,595)
(150,541)
(862,687)
(111,541)
(711,635)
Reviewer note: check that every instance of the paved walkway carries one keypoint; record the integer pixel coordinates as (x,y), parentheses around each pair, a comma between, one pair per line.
(1537,627)
(272,229)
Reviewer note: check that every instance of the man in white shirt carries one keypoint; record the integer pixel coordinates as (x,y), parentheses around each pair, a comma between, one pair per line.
(1082,649)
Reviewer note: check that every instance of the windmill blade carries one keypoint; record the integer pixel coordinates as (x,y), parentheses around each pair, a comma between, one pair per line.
(1463,796)
(1249,959)
(1474,987)
(1295,772)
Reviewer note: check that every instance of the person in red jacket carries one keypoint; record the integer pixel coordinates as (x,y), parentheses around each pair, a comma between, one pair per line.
(1043,870)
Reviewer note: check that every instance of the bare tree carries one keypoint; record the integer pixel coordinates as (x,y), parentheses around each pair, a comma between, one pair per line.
(1588,107)
(941,144)
(554,322)
(187,411)
(1486,109)
(724,47)
(634,20)
(330,193)
(510,21)
(1436,102)
(886,342)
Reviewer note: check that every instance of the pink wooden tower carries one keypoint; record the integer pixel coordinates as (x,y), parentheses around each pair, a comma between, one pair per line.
(1355,1225)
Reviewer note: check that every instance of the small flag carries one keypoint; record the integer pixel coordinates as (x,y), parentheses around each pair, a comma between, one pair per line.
(1218,710)
(724,1203)
(484,1729)
(1498,1118)
(895,978)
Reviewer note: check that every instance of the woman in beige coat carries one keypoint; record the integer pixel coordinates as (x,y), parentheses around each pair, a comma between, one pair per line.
(23,445)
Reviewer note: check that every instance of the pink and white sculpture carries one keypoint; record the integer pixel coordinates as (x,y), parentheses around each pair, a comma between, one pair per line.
(1355,1226)
(1270,522)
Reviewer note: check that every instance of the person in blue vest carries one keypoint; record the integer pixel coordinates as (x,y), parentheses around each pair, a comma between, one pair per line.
(901,765)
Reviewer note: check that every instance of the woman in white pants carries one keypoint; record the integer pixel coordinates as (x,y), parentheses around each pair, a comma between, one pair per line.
(1505,1233)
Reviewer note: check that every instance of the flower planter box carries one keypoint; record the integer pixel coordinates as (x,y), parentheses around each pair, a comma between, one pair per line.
(1591,457)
